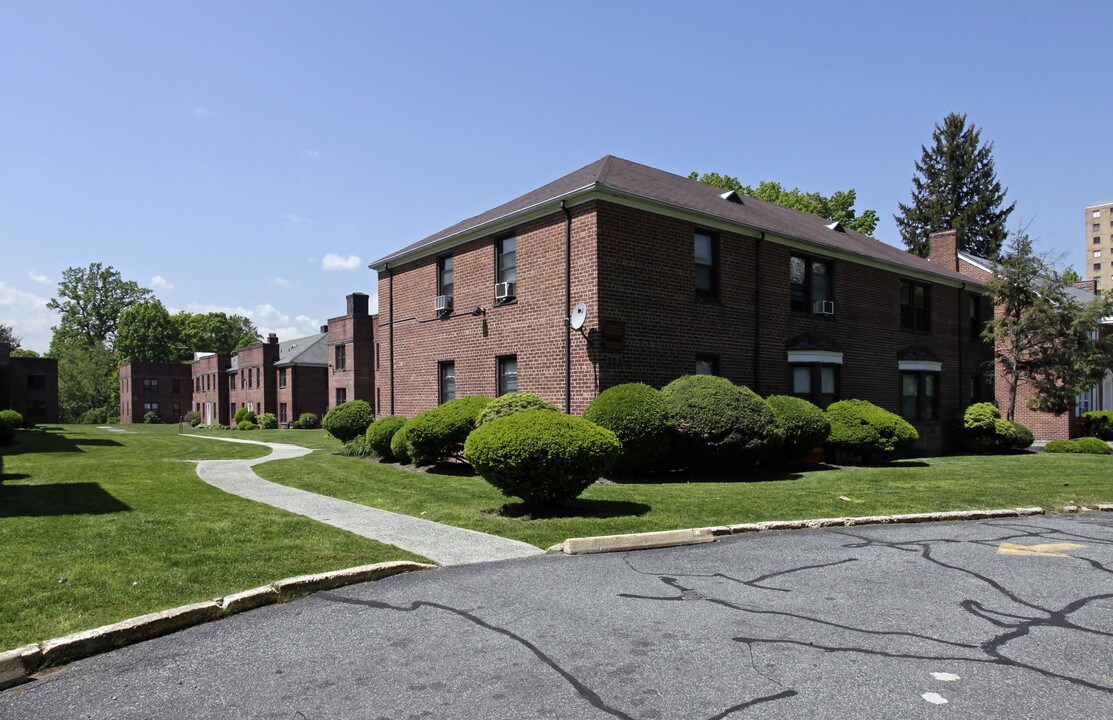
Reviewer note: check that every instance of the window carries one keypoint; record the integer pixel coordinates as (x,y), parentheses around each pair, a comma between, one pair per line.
(281,377)
(341,395)
(1097,240)
(258,379)
(1097,253)
(250,378)
(150,407)
(1097,227)
(36,382)
(196,384)
(447,374)
(975,310)
(36,408)
(1097,267)
(1095,213)
(150,385)
(506,266)
(915,306)
(175,386)
(232,384)
(508,374)
(378,364)
(809,283)
(444,276)
(341,357)
(176,410)
(282,414)
(919,395)
(707,365)
(233,409)
(818,383)
(243,379)
(707,251)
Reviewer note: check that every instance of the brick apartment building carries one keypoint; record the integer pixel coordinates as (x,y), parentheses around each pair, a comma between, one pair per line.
(251,377)
(677,277)
(165,389)
(301,379)
(1098,250)
(29,386)
(211,388)
(351,353)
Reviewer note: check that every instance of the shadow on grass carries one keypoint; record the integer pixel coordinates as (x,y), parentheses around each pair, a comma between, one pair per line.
(37,441)
(578,508)
(57,499)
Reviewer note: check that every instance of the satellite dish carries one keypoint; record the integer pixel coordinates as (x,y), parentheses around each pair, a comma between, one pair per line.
(579,315)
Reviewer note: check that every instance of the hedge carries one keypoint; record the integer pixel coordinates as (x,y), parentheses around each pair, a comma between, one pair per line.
(1098,423)
(246,425)
(381,432)
(982,429)
(718,423)
(400,444)
(542,457)
(638,416)
(806,427)
(1085,445)
(348,420)
(244,414)
(437,434)
(511,403)
(873,434)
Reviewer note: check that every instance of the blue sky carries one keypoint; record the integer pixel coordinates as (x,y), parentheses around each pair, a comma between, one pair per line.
(255,156)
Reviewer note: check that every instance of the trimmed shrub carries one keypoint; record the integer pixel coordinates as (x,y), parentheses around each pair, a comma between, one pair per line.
(1024,436)
(439,434)
(246,425)
(151,418)
(13,418)
(806,426)
(192,417)
(241,414)
(356,447)
(637,415)
(381,432)
(400,444)
(1085,445)
(1098,423)
(511,403)
(541,456)
(267,421)
(305,421)
(7,432)
(348,420)
(718,423)
(982,429)
(874,434)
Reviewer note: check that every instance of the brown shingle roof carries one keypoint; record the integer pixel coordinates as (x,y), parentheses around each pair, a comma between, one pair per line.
(630,178)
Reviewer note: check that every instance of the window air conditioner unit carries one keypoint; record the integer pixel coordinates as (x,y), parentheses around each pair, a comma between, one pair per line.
(443,303)
(504,290)
(823,307)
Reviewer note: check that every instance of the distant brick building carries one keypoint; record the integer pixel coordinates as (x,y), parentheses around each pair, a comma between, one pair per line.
(301,378)
(677,277)
(351,353)
(29,386)
(211,388)
(165,389)
(251,378)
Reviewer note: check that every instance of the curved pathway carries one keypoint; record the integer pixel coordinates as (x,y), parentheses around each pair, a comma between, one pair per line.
(443,544)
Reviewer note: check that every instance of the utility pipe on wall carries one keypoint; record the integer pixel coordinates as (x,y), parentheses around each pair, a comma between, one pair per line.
(567,307)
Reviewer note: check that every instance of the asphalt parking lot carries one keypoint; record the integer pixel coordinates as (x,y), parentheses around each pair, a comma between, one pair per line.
(990,619)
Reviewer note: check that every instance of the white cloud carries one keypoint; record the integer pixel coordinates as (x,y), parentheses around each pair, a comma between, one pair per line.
(333,262)
(267,318)
(281,282)
(298,221)
(201,113)
(161,283)
(28,316)
(40,279)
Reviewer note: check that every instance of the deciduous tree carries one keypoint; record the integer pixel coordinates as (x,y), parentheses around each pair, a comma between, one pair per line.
(91,301)
(147,333)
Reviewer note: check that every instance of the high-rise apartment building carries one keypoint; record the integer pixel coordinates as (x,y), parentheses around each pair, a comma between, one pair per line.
(1099,245)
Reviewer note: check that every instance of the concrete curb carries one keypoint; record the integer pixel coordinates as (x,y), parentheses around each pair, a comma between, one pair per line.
(635,541)
(16,666)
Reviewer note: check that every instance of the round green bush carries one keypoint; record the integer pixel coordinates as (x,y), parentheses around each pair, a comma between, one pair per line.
(13,418)
(246,425)
(267,421)
(718,423)
(1024,436)
(635,413)
(306,421)
(1092,446)
(982,429)
(151,418)
(381,432)
(348,420)
(400,444)
(874,434)
(1061,446)
(806,426)
(511,403)
(7,432)
(192,417)
(438,434)
(241,414)
(540,456)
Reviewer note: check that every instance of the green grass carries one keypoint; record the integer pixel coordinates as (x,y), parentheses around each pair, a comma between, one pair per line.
(96,527)
(316,439)
(923,485)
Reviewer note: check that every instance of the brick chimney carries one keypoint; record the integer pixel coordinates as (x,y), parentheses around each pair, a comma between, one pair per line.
(944,249)
(324,329)
(1090,286)
(272,339)
(357,303)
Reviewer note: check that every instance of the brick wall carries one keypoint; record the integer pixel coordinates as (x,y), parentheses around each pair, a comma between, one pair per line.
(29,386)
(355,332)
(170,385)
(210,388)
(306,391)
(255,379)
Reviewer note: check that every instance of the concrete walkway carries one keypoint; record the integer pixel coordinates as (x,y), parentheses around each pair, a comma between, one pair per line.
(443,544)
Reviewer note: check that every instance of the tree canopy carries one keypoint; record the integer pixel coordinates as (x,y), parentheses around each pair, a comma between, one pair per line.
(91,301)
(955,187)
(836,207)
(1042,336)
(147,333)
(219,333)
(7,335)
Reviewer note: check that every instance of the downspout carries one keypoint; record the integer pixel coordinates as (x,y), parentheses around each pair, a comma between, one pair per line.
(960,372)
(757,307)
(567,308)
(390,320)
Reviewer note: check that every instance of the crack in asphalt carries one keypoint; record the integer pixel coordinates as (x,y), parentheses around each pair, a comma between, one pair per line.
(580,687)
(755,582)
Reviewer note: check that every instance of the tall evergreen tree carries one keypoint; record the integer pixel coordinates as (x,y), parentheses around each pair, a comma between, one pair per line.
(956,188)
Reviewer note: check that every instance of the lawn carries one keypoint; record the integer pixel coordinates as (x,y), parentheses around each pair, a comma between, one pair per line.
(98,526)
(922,485)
